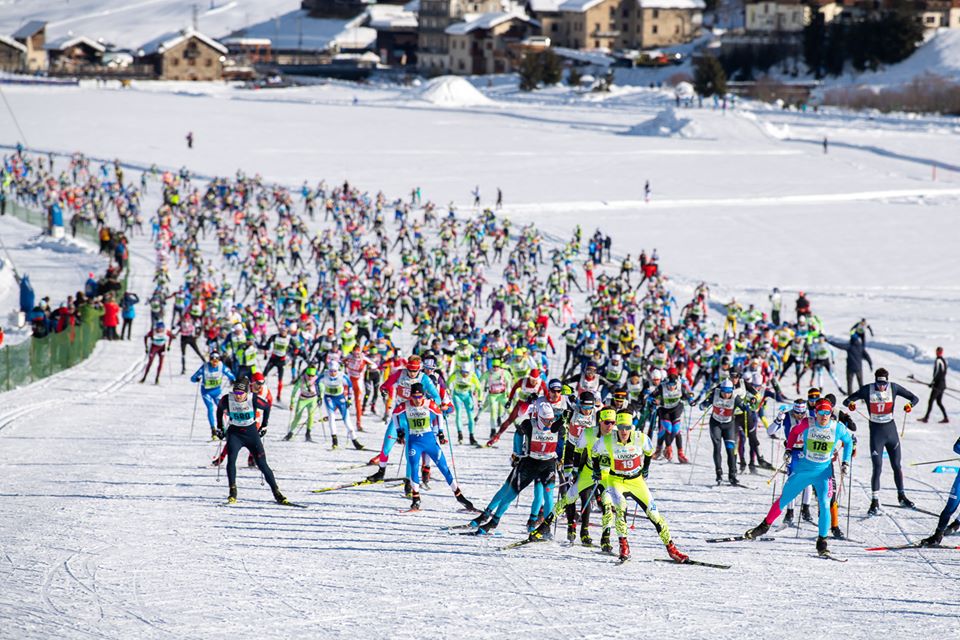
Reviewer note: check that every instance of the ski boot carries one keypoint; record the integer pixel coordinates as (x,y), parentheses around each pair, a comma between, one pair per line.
(719,478)
(676,554)
(462,499)
(605,545)
(232,499)
(822,549)
(336,444)
(934,540)
(374,460)
(415,502)
(531,523)
(425,475)
(459,436)
(659,452)
(743,467)
(733,481)
(357,445)
(407,488)
(668,453)
(624,549)
(753,469)
(288,437)
(757,531)
(788,518)
(874,509)
(585,538)
(487,527)
(571,532)
(904,501)
(945,420)
(953,527)
(542,530)
(493,433)
(682,459)
(279,497)
(763,464)
(250,463)
(837,533)
(473,441)
(377,476)
(805,513)
(307,436)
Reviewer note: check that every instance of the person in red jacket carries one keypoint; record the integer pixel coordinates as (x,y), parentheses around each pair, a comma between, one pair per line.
(111,318)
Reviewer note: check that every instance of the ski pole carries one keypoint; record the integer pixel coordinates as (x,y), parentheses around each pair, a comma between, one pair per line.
(193,418)
(776,473)
(920,464)
(903,426)
(849,494)
(220,447)
(696,446)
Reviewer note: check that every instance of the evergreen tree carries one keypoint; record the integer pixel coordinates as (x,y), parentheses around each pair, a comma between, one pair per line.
(814,41)
(530,72)
(708,77)
(551,70)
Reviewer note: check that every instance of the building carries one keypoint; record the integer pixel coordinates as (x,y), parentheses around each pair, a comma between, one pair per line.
(397,33)
(433,54)
(186,55)
(488,43)
(776,16)
(547,13)
(625,24)
(249,50)
(13,55)
(72,54)
(33,35)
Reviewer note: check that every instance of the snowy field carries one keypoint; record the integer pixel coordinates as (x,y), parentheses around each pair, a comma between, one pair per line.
(110,523)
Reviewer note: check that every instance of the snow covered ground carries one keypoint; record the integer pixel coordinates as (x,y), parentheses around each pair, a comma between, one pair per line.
(109,520)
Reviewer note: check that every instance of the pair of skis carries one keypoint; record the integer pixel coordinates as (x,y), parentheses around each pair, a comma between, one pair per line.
(696,563)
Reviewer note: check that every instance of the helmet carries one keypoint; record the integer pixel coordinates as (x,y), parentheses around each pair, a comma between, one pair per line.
(545,412)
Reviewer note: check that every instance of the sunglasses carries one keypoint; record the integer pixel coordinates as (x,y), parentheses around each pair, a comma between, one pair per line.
(239,394)
(824,412)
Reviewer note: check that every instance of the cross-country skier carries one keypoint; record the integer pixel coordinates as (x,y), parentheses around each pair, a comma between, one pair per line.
(210,376)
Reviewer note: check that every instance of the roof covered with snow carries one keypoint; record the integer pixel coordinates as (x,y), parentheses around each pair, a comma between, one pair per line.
(484,21)
(10,42)
(672,4)
(544,6)
(579,6)
(391,16)
(170,40)
(28,29)
(68,41)
(297,31)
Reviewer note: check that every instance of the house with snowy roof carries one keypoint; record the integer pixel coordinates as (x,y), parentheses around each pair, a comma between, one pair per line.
(71,54)
(184,55)
(13,55)
(489,42)
(33,36)
(397,28)
(626,24)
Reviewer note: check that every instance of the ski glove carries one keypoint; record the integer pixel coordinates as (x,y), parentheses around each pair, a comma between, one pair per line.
(263,432)
(441,438)
(844,468)
(787,457)
(401,437)
(852,406)
(219,434)
(908,407)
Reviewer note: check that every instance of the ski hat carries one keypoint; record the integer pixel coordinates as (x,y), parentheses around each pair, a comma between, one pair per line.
(555,385)
(241,385)
(588,400)
(214,355)
(257,377)
(608,414)
(545,413)
(726,387)
(311,371)
(939,351)
(881,375)
(416,387)
(334,368)
(823,405)
(624,420)
(413,364)
(799,406)
(534,373)
(672,372)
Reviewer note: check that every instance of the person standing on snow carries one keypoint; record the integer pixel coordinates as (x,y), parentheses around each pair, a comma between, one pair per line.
(856,354)
(880,397)
(776,304)
(156,343)
(937,387)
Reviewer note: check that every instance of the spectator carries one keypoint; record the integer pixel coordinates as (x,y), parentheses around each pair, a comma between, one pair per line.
(129,313)
(111,318)
(91,287)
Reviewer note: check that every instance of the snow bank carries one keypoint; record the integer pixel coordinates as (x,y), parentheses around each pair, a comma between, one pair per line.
(667,124)
(940,55)
(452,91)
(62,245)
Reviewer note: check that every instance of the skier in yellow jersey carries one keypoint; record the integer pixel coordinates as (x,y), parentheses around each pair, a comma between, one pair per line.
(630,453)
